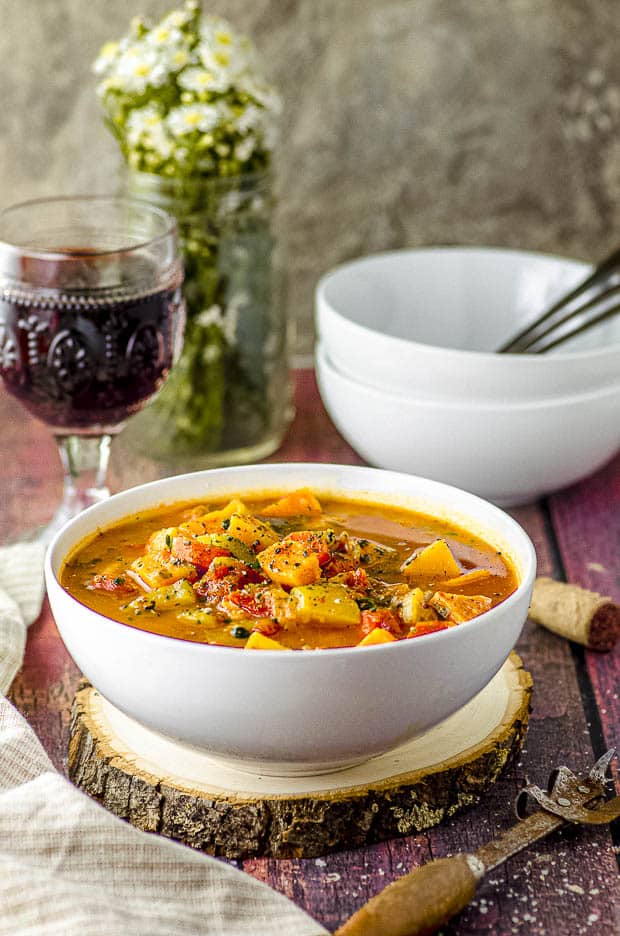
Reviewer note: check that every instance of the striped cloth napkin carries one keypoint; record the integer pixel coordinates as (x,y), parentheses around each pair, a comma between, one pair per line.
(70,868)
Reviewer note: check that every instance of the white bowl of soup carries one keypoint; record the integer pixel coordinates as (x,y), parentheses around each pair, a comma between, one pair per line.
(510,452)
(309,617)
(426,324)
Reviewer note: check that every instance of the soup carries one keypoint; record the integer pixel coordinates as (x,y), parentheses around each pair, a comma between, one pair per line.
(288,573)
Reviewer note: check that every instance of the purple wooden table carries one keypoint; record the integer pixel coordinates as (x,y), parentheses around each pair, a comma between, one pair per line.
(569,883)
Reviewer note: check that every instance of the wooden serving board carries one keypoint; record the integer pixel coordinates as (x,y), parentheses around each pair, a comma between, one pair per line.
(162,786)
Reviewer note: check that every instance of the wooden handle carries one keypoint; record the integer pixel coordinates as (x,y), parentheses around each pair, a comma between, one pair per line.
(420,902)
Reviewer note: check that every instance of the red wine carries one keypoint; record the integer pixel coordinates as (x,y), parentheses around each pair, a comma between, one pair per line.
(83,363)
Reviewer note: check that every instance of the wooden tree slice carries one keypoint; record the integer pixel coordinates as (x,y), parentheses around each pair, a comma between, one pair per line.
(161,786)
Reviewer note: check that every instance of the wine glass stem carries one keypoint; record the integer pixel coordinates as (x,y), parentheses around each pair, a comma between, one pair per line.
(85,464)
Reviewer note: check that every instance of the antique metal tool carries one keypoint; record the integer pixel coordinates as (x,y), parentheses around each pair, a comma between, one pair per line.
(423,900)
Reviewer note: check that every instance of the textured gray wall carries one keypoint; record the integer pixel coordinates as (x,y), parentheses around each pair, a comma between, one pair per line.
(406,122)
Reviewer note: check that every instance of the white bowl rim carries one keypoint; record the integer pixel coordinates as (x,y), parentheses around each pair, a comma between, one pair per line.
(433,349)
(162,640)
(467,406)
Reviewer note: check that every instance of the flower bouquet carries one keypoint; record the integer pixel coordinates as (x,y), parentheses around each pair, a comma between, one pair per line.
(196,124)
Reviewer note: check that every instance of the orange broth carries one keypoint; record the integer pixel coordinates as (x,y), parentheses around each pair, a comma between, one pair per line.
(334,573)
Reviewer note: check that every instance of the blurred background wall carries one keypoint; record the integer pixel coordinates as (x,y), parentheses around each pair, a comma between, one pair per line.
(406,122)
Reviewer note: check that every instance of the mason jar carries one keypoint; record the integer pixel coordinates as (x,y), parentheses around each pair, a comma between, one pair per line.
(228,399)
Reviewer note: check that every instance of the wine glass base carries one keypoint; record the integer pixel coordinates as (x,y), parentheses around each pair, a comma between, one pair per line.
(69,507)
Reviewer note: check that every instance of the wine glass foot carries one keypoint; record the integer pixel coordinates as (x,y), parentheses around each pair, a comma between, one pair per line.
(69,507)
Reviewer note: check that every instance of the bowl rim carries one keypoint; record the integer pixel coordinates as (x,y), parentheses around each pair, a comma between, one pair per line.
(322,304)
(162,641)
(479,404)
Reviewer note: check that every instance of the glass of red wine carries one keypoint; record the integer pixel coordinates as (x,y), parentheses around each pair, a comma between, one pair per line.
(91,321)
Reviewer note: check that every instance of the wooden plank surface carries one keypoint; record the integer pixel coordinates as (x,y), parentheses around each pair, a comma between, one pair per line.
(568,884)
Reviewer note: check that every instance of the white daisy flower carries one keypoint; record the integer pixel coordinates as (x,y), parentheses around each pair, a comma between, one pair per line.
(219,59)
(187,118)
(251,118)
(106,58)
(177,19)
(160,142)
(245,148)
(179,58)
(164,35)
(196,79)
(271,134)
(139,68)
(263,93)
(219,80)
(223,36)
(183,62)
(141,121)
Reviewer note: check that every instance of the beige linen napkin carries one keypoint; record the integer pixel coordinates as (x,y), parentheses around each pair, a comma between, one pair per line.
(70,868)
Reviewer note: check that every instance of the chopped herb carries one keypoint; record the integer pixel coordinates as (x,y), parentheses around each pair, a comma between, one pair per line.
(168,541)
(226,523)
(241,633)
(366,604)
(119,580)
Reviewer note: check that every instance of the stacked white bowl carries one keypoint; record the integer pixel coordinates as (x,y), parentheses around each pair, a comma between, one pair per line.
(407,369)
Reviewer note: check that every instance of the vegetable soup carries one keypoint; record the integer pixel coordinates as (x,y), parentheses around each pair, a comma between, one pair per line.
(289,573)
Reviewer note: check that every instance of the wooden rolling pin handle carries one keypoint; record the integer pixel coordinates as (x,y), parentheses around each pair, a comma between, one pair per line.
(420,902)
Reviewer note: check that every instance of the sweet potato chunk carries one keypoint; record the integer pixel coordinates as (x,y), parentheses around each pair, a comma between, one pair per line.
(159,542)
(434,562)
(258,641)
(156,572)
(325,604)
(298,503)
(213,522)
(459,608)
(467,578)
(376,636)
(290,563)
(254,533)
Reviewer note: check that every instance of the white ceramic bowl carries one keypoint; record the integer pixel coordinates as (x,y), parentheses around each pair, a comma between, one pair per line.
(300,712)
(428,321)
(511,453)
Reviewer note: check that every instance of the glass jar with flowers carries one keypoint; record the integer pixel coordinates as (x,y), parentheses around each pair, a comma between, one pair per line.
(196,125)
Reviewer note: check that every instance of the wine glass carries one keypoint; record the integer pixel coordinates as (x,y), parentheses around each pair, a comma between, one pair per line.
(91,321)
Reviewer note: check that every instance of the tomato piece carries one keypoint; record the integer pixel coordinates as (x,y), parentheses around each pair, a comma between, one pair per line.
(267,627)
(254,603)
(116,584)
(383,618)
(225,576)
(315,541)
(357,579)
(427,627)
(337,565)
(200,554)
